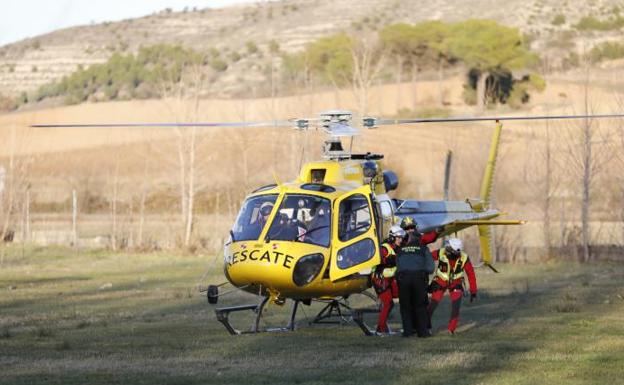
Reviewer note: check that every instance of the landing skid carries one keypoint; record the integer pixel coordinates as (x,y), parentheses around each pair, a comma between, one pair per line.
(346,314)
(223,316)
(333,308)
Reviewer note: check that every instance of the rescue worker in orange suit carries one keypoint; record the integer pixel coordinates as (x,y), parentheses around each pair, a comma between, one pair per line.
(383,277)
(414,264)
(449,276)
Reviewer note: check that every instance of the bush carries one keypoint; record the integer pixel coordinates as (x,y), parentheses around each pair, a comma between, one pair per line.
(558,20)
(235,56)
(518,96)
(537,82)
(606,51)
(251,47)
(122,75)
(274,47)
(218,65)
(590,23)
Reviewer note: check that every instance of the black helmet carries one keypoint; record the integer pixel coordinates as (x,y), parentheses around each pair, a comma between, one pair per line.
(408,223)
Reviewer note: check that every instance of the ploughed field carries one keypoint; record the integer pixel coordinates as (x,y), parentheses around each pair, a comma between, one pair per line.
(99,317)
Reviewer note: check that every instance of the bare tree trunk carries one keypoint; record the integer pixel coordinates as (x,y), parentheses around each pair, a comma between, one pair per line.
(547,193)
(26,226)
(191,190)
(114,207)
(9,188)
(586,182)
(481,91)
(139,241)
(587,175)
(440,78)
(182,176)
(414,88)
(399,80)
(74,218)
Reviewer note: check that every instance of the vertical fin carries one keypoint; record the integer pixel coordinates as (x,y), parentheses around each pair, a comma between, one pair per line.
(485,232)
(488,175)
(447,174)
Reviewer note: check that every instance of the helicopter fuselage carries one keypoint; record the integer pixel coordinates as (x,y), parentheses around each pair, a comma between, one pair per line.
(317,237)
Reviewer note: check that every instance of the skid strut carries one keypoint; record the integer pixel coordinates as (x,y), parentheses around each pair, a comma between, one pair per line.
(224,313)
(333,308)
(336,308)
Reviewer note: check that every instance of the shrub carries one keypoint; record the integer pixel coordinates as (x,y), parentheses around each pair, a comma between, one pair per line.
(590,23)
(251,47)
(606,51)
(558,20)
(122,75)
(218,65)
(274,47)
(235,56)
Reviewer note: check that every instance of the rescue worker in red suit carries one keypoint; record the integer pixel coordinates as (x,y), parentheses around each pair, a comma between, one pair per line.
(449,276)
(383,277)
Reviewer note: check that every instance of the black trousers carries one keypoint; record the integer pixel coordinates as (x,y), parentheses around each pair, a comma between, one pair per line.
(413,300)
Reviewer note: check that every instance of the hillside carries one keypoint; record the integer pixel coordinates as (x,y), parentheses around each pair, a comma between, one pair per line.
(28,64)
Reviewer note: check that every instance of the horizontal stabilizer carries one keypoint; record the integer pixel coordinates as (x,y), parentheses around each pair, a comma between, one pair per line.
(433,214)
(498,222)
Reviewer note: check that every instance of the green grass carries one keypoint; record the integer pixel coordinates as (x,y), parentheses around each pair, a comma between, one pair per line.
(108,318)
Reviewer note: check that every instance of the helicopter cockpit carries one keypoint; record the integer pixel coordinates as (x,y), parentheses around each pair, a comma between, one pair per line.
(252,217)
(299,218)
(302,218)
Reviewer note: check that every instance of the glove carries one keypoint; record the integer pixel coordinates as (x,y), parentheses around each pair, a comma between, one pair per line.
(473,296)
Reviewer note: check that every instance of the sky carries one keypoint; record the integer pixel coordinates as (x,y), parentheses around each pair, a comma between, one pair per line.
(21,19)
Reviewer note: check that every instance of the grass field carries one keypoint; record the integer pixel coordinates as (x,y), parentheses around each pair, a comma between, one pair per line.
(100,317)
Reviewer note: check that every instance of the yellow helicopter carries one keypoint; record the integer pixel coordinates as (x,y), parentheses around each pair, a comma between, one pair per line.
(317,238)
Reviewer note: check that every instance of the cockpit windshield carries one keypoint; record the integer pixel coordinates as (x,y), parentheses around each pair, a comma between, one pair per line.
(302,218)
(252,217)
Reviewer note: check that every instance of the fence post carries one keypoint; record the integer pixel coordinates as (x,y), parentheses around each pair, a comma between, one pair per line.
(74,217)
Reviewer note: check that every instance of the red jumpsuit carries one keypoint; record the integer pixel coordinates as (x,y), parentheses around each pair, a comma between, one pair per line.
(386,288)
(451,269)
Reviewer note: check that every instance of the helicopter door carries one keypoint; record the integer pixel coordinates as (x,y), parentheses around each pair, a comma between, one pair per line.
(354,241)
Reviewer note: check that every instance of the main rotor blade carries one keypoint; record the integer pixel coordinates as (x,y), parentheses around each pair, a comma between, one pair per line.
(493,118)
(166,124)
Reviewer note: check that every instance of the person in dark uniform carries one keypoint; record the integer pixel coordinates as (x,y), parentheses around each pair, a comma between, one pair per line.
(414,264)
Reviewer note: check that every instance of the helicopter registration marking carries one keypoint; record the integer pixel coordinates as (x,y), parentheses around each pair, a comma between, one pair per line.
(268,256)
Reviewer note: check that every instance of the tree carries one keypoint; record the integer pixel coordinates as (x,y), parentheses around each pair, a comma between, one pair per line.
(331,58)
(179,94)
(488,48)
(367,63)
(345,61)
(419,46)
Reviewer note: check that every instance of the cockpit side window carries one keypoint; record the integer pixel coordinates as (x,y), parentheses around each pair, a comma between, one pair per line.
(252,217)
(355,217)
(302,218)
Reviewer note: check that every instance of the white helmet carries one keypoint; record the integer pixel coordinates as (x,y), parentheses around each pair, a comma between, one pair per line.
(454,244)
(397,231)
